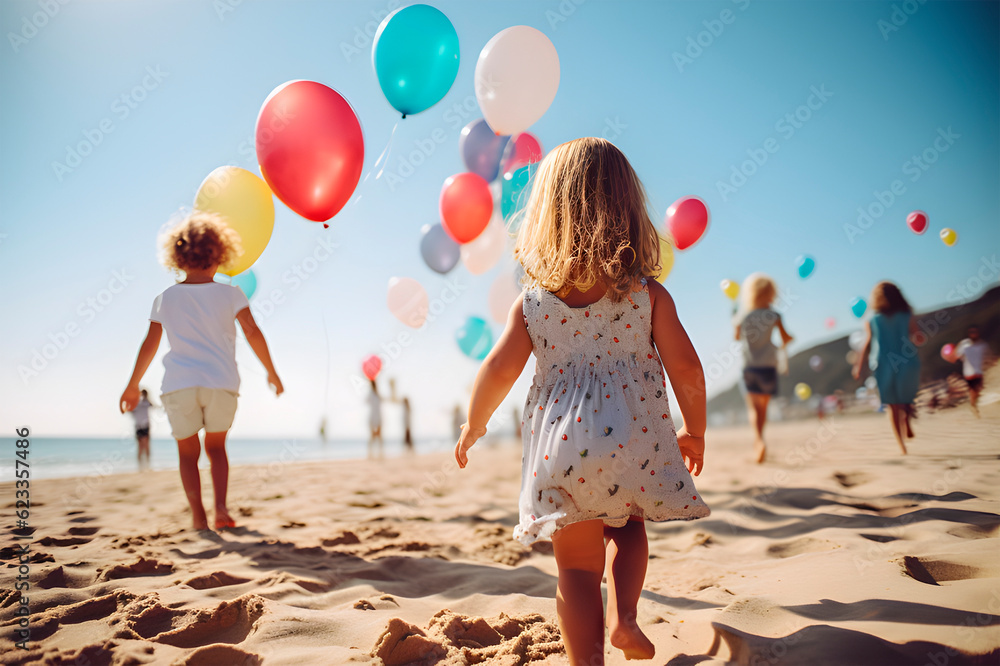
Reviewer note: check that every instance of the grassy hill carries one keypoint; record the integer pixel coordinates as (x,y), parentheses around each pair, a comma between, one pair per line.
(941,326)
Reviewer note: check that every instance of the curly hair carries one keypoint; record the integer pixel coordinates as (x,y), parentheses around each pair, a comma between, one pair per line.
(587,221)
(887,299)
(199,240)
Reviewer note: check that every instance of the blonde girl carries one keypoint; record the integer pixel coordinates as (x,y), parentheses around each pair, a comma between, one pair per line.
(200,379)
(755,324)
(601,455)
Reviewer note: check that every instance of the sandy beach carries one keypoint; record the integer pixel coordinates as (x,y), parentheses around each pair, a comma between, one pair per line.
(838,550)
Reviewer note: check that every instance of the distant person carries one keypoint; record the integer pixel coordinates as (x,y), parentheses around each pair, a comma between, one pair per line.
(973,351)
(375,420)
(755,324)
(601,454)
(200,379)
(894,360)
(141,416)
(407,437)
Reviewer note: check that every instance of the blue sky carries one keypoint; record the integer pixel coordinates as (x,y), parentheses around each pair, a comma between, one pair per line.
(194,74)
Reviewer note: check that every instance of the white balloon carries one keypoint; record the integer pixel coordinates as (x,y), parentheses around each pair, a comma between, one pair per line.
(856,340)
(503,293)
(483,253)
(407,301)
(517,77)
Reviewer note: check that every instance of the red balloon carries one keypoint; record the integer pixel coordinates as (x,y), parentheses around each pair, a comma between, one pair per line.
(917,221)
(310,148)
(521,150)
(371,366)
(687,220)
(466,206)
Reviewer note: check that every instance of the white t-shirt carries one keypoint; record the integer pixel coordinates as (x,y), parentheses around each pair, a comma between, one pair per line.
(199,320)
(141,413)
(375,411)
(972,354)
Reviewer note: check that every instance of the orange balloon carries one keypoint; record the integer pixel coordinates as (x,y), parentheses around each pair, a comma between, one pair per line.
(466,206)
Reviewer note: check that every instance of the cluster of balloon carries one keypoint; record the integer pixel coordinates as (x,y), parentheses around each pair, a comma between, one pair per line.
(948,236)
(439,250)
(805,265)
(503,293)
(247,282)
(244,201)
(415,56)
(483,253)
(466,205)
(407,301)
(730,289)
(474,338)
(858,307)
(310,148)
(371,366)
(687,220)
(948,353)
(666,259)
(917,221)
(815,362)
(517,76)
(803,391)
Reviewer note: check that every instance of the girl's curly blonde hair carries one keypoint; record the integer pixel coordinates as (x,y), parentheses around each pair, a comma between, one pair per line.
(587,221)
(197,241)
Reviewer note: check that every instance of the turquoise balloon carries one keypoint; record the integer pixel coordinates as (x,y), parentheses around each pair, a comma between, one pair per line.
(247,281)
(474,338)
(515,190)
(806,266)
(415,56)
(858,307)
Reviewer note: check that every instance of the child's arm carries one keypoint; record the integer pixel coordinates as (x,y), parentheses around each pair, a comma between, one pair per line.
(497,374)
(785,337)
(863,354)
(683,367)
(259,346)
(130,397)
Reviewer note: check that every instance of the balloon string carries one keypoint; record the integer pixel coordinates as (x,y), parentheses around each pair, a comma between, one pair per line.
(383,159)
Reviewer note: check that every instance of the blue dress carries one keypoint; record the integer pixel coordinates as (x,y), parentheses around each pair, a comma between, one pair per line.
(894,359)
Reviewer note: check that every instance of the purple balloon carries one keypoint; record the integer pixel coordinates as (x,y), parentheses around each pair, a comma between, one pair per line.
(439,251)
(481,149)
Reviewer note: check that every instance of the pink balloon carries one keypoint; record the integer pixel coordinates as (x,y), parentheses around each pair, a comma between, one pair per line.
(830,322)
(917,221)
(687,220)
(310,148)
(466,206)
(521,150)
(948,353)
(371,366)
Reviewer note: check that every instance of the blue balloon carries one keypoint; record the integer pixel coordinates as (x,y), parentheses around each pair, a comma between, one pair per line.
(858,307)
(439,250)
(247,281)
(481,149)
(474,338)
(415,56)
(515,192)
(806,266)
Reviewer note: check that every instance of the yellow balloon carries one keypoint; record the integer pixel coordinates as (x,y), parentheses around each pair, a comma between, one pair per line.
(666,259)
(730,289)
(803,391)
(245,202)
(948,236)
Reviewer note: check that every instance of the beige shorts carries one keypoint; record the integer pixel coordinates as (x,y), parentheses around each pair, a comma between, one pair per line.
(191,409)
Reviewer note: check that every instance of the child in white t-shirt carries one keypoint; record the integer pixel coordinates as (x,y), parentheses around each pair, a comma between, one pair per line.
(973,351)
(200,379)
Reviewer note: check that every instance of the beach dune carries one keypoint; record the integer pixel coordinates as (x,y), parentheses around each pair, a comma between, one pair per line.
(838,550)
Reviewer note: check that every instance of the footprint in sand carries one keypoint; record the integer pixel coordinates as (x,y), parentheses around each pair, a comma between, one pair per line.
(214,580)
(851,479)
(933,572)
(69,541)
(229,622)
(800,546)
(141,567)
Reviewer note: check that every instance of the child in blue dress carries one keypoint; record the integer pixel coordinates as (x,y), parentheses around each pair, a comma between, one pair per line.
(601,454)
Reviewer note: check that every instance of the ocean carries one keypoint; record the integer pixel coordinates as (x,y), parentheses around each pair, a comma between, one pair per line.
(63,457)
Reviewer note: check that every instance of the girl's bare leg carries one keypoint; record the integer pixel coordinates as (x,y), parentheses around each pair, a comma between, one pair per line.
(189,450)
(215,448)
(897,413)
(579,552)
(757,409)
(627,555)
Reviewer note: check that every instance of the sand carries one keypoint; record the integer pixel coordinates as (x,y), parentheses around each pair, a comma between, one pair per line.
(838,550)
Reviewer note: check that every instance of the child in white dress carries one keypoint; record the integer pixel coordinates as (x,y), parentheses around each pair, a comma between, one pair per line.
(600,451)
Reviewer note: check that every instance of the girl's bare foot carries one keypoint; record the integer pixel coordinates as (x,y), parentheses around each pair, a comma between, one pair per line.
(199,520)
(760,449)
(223,520)
(627,637)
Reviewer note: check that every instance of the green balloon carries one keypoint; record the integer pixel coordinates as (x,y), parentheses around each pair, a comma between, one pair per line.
(515,191)
(415,56)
